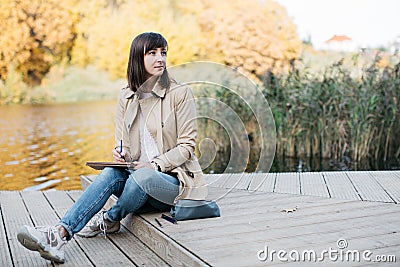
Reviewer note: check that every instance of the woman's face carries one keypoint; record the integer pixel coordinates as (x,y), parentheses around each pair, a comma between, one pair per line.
(155,61)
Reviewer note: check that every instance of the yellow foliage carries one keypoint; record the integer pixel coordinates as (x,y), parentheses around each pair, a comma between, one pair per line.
(35,35)
(250,35)
(105,33)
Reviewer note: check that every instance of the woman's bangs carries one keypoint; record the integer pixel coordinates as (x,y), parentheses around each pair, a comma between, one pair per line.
(154,43)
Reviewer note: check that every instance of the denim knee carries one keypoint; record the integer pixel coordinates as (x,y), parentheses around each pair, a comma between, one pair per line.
(111,177)
(145,178)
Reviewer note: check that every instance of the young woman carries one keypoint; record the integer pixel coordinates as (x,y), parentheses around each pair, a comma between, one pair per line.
(156,123)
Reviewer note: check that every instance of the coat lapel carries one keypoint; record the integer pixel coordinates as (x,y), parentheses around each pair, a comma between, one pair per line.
(131,111)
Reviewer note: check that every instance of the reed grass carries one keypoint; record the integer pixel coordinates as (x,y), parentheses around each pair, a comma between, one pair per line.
(339,114)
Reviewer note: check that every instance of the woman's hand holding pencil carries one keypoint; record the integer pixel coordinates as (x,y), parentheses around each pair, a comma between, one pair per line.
(120,154)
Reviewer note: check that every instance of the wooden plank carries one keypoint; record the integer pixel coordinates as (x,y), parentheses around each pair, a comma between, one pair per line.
(368,188)
(262,210)
(43,214)
(378,243)
(263,221)
(287,183)
(238,181)
(387,251)
(5,253)
(15,215)
(211,179)
(99,250)
(262,224)
(339,186)
(242,248)
(357,245)
(172,252)
(299,226)
(269,183)
(220,179)
(390,182)
(223,194)
(313,184)
(131,246)
(250,258)
(251,220)
(256,180)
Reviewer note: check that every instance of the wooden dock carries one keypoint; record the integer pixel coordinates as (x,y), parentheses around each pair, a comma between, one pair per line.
(302,215)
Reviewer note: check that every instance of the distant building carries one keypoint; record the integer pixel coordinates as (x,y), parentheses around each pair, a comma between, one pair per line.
(395,46)
(339,43)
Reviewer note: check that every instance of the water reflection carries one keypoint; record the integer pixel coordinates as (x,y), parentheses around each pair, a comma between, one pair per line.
(47,146)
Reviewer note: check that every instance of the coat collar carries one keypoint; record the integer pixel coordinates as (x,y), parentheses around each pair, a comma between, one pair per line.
(157,90)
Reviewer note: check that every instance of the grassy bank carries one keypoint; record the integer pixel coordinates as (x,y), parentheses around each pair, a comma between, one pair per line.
(61,85)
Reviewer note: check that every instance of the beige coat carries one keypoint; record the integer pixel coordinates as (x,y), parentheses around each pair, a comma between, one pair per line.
(170,116)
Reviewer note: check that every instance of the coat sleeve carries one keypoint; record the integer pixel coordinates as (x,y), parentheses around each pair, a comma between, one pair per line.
(185,113)
(121,132)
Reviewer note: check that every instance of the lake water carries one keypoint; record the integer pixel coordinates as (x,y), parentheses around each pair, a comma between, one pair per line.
(44,147)
(47,146)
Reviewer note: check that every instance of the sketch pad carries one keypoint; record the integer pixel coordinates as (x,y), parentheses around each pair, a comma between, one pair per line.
(99,165)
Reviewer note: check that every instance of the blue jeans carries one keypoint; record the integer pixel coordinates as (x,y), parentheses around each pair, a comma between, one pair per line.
(137,191)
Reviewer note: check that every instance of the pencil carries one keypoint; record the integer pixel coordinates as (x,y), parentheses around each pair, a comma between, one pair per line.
(158,222)
(120,149)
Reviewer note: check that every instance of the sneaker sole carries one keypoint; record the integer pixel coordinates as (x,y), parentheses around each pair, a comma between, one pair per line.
(31,243)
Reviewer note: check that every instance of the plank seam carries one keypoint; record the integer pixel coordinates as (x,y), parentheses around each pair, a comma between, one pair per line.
(301,191)
(326,184)
(26,208)
(384,189)
(259,185)
(122,251)
(5,233)
(274,187)
(76,241)
(354,186)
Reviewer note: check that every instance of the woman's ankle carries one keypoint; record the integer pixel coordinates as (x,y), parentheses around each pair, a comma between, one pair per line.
(63,232)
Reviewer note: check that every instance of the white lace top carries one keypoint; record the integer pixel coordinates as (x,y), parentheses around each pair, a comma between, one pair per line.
(148,147)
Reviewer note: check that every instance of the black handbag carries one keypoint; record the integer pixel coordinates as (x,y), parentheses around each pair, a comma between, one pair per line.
(188,209)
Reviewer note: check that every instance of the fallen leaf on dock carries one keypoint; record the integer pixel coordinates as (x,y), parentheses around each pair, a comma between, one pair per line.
(289,210)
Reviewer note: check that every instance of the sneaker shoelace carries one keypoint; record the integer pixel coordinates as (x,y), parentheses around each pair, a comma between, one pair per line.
(102,224)
(51,232)
(99,220)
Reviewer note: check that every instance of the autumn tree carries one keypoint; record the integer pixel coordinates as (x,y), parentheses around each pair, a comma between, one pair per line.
(105,33)
(250,35)
(35,35)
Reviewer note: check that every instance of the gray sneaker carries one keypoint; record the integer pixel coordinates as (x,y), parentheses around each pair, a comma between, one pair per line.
(99,224)
(44,239)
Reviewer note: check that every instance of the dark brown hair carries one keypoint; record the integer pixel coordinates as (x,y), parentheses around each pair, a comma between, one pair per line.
(136,72)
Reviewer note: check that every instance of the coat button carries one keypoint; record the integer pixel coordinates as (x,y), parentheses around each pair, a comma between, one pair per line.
(129,126)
